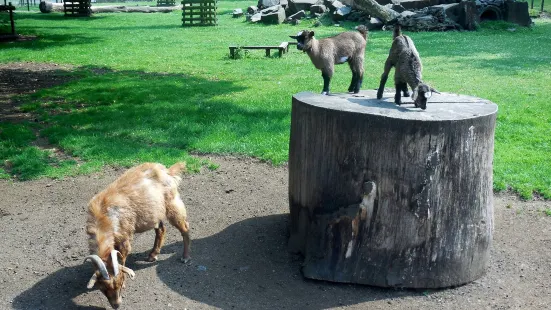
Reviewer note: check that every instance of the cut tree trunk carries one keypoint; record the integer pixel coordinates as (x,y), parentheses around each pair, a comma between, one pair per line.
(390,195)
(58,7)
(386,15)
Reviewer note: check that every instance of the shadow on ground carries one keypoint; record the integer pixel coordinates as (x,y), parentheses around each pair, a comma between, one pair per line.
(245,266)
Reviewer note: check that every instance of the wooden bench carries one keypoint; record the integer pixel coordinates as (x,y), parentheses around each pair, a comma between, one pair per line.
(282,48)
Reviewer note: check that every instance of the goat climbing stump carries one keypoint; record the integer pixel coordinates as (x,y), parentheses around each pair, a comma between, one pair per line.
(388,195)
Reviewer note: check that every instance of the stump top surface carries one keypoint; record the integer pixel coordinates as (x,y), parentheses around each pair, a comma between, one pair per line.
(440,107)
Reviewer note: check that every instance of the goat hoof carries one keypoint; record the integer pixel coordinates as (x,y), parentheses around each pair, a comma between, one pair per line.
(186,260)
(406,94)
(325,93)
(380,95)
(152,258)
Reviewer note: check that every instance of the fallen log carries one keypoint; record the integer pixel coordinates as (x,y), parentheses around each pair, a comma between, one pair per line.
(386,15)
(47,7)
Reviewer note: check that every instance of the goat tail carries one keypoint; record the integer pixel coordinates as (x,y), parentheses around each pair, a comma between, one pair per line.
(397,31)
(177,169)
(363,30)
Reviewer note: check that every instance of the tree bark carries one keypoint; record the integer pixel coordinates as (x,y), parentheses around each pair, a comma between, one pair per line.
(58,7)
(390,195)
(376,10)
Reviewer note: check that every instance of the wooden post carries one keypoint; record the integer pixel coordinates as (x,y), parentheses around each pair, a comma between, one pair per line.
(12,21)
(532,4)
(389,195)
(542,1)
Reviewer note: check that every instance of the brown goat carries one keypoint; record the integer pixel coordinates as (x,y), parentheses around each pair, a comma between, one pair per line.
(326,53)
(404,56)
(136,202)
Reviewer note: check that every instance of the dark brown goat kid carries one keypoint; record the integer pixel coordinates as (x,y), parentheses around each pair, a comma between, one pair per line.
(404,56)
(138,201)
(328,52)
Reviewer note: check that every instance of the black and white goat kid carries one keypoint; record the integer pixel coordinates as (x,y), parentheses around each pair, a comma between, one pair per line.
(328,52)
(404,56)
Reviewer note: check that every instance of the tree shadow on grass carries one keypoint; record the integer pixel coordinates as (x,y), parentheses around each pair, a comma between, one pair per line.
(124,117)
(245,266)
(44,41)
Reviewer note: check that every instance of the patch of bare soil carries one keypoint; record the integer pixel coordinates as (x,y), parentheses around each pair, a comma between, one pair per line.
(239,217)
(26,78)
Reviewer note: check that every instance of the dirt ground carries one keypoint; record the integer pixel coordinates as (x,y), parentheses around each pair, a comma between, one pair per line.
(238,215)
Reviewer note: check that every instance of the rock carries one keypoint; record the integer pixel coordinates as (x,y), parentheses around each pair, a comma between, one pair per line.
(374,23)
(299,5)
(273,15)
(341,13)
(398,8)
(517,12)
(334,5)
(298,15)
(262,4)
(418,4)
(435,20)
(406,14)
(355,16)
(252,9)
(237,13)
(318,8)
(256,17)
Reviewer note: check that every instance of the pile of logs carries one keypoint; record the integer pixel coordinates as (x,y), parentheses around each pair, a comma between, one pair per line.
(413,15)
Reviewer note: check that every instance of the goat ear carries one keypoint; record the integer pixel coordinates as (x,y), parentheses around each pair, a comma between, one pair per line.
(92,281)
(311,34)
(434,90)
(293,37)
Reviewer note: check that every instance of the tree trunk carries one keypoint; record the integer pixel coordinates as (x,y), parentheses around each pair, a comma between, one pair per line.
(389,195)
(376,10)
(58,7)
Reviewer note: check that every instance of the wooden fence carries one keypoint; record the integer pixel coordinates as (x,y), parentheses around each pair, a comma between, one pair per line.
(199,13)
(77,8)
(166,2)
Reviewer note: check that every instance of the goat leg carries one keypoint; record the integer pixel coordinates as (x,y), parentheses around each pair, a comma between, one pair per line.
(326,74)
(384,77)
(178,219)
(159,240)
(352,87)
(405,90)
(397,96)
(359,84)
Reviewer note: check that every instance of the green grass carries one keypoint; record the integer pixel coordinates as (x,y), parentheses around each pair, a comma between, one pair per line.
(147,89)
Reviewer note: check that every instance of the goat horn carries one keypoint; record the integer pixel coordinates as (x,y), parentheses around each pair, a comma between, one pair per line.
(115,262)
(99,264)
(128,271)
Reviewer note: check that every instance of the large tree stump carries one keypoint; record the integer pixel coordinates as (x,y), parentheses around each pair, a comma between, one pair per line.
(390,195)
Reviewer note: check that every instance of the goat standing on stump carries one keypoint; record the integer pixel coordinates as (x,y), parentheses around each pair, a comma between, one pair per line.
(138,201)
(404,56)
(326,53)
